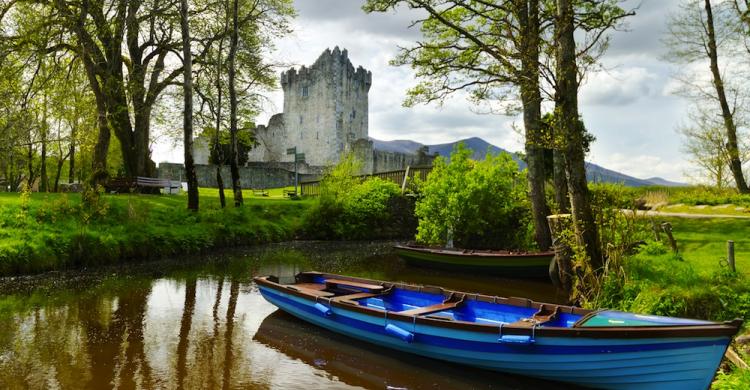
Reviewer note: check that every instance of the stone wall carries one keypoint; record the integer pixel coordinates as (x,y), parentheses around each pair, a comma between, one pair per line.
(257,176)
(390,161)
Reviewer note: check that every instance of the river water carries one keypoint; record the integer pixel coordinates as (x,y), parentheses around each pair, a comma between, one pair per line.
(200,323)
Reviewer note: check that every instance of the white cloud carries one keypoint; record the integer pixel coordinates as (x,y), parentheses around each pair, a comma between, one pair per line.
(627,108)
(618,87)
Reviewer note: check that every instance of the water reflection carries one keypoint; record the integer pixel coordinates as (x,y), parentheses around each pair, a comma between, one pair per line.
(202,324)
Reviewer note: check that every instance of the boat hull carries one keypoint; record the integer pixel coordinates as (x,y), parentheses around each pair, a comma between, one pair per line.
(531,265)
(612,363)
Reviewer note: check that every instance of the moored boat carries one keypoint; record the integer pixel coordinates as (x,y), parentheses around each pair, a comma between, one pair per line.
(507,263)
(593,348)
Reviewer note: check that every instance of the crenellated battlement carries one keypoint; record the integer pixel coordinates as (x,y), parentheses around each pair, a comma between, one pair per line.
(331,65)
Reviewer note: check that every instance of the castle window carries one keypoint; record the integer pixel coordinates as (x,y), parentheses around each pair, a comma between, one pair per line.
(301,134)
(354,114)
(305,92)
(300,119)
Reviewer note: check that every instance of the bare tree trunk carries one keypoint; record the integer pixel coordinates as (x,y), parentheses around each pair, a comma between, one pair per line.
(218,151)
(32,177)
(187,86)
(72,153)
(233,149)
(44,180)
(101,149)
(735,163)
(571,131)
(532,118)
(560,182)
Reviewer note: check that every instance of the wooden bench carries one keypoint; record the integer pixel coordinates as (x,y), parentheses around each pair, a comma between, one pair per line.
(260,193)
(290,193)
(351,298)
(311,291)
(430,309)
(542,316)
(346,283)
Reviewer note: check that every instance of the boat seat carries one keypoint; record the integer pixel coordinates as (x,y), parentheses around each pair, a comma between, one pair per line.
(348,283)
(311,286)
(310,291)
(430,309)
(350,298)
(542,316)
(439,317)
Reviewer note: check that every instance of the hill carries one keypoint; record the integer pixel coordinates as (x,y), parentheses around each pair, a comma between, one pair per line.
(595,173)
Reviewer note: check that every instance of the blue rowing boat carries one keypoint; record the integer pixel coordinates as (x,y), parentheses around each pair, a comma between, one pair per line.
(592,348)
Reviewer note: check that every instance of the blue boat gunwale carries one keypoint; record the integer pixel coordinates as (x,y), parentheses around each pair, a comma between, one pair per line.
(714,329)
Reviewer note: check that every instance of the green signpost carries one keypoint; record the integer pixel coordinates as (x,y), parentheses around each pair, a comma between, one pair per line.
(298,158)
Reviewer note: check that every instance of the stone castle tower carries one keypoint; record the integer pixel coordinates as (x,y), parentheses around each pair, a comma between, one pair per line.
(325,112)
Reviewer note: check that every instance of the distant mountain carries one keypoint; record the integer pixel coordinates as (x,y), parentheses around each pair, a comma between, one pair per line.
(480,147)
(664,182)
(397,146)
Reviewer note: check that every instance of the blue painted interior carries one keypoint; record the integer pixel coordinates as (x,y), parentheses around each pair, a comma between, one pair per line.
(400,300)
(470,311)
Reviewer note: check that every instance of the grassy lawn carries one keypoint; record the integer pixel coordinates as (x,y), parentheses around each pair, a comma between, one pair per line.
(703,242)
(273,193)
(50,231)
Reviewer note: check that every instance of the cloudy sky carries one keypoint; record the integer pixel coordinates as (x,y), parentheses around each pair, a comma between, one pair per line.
(629,108)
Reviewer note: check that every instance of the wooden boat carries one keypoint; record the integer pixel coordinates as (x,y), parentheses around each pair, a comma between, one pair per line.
(592,348)
(519,264)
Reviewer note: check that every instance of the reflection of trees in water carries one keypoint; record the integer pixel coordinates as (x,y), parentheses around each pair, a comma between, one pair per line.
(185,324)
(41,346)
(107,334)
(216,324)
(234,289)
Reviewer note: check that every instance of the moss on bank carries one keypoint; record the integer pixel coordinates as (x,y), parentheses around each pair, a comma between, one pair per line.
(41,232)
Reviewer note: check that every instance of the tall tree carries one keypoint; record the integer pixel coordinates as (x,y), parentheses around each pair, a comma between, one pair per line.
(572,133)
(735,163)
(187,116)
(233,151)
(703,142)
(695,36)
(489,49)
(493,51)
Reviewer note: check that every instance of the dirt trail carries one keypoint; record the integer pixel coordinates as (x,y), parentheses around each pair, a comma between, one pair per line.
(652,213)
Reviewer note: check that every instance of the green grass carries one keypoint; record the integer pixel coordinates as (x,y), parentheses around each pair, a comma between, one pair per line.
(703,242)
(51,231)
(273,193)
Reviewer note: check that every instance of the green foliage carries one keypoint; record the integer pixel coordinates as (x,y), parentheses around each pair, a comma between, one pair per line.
(221,155)
(353,208)
(74,230)
(738,379)
(483,203)
(657,281)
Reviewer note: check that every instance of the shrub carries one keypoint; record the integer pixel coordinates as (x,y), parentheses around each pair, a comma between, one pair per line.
(353,208)
(483,203)
(657,281)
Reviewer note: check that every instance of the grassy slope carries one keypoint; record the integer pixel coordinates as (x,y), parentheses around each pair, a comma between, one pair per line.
(52,232)
(703,242)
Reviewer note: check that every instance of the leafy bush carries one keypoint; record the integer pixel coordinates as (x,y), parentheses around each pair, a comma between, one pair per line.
(483,203)
(353,208)
(657,281)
